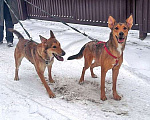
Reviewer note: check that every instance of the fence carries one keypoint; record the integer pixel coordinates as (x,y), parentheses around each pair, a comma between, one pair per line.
(90,12)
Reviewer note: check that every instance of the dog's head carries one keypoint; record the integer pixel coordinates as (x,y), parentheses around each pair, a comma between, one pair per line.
(120,30)
(51,48)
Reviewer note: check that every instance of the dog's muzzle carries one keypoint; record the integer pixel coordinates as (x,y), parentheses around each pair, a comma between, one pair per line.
(120,38)
(59,57)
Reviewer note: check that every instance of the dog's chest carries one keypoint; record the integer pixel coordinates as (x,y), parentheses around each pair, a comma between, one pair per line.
(49,61)
(119,49)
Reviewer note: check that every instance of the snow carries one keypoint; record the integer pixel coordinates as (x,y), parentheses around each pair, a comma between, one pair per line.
(27,98)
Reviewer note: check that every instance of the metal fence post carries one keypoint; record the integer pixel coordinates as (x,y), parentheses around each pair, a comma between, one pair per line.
(22,9)
(142,35)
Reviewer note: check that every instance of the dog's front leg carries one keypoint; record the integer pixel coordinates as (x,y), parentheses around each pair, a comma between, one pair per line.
(103,75)
(115,72)
(41,75)
(49,74)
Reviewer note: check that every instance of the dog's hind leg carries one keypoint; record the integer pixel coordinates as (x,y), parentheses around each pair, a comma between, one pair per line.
(18,58)
(87,63)
(91,69)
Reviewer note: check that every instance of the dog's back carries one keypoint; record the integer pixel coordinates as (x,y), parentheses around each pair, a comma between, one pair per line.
(92,48)
(21,43)
(24,47)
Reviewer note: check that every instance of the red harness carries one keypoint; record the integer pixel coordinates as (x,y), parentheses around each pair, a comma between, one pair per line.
(109,52)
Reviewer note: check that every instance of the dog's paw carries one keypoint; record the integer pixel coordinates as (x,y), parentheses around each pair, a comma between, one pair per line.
(103,98)
(81,82)
(52,81)
(116,97)
(52,95)
(16,78)
(94,76)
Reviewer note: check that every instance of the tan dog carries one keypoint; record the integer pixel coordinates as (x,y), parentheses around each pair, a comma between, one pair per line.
(40,55)
(108,55)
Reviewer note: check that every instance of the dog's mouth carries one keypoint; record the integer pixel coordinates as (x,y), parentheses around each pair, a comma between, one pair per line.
(59,58)
(120,39)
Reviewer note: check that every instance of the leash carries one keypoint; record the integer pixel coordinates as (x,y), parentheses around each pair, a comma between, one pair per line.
(18,21)
(57,18)
(117,59)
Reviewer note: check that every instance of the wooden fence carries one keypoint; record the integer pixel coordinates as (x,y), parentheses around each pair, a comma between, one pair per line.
(90,12)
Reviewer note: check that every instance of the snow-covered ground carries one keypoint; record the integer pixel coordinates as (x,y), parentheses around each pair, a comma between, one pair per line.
(27,98)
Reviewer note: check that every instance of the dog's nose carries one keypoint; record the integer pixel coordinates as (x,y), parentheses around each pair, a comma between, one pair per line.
(63,53)
(121,33)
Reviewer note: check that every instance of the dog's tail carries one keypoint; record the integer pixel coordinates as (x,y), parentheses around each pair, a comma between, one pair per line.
(16,33)
(79,55)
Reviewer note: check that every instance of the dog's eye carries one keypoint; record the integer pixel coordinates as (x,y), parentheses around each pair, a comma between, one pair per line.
(124,28)
(54,46)
(116,28)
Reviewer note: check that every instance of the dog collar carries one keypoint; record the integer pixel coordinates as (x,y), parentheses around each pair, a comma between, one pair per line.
(48,61)
(109,52)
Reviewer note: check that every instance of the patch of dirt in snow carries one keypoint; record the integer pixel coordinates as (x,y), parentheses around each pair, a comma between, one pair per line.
(89,94)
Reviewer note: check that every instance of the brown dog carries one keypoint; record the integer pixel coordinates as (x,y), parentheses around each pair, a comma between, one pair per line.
(108,55)
(40,55)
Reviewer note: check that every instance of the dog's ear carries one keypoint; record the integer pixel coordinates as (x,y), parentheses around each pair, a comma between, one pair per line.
(43,40)
(52,34)
(129,21)
(111,22)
